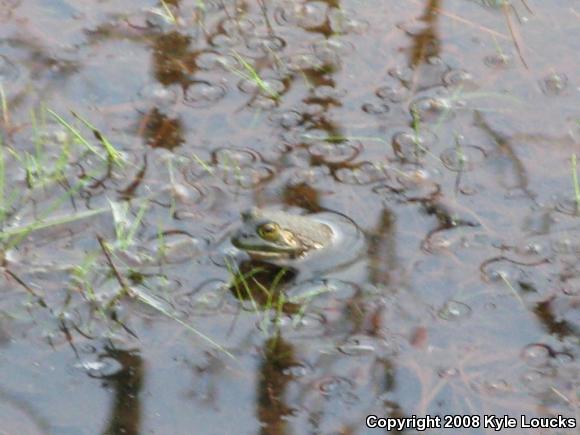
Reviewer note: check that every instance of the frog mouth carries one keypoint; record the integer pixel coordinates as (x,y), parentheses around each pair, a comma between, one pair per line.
(262,254)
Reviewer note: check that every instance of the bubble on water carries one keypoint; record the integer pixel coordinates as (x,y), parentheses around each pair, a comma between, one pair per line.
(448,372)
(238,26)
(571,286)
(306,15)
(303,61)
(333,153)
(568,205)
(497,386)
(402,73)
(309,324)
(458,78)
(232,157)
(394,94)
(358,346)
(8,70)
(539,380)
(207,299)
(418,182)
(180,248)
(331,51)
(454,310)
(336,386)
(344,21)
(317,292)
(537,355)
(288,119)
(532,250)
(211,60)
(376,108)
(100,368)
(298,370)
(266,44)
(566,245)
(263,103)
(247,177)
(204,94)
(497,60)
(157,95)
(411,145)
(414,27)
(311,175)
(364,173)
(554,84)
(432,109)
(462,158)
(563,358)
(225,41)
(326,92)
(267,87)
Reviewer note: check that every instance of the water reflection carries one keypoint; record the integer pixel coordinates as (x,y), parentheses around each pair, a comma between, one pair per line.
(273,378)
(426,42)
(125,416)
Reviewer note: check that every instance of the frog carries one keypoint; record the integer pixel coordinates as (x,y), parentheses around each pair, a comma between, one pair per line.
(325,239)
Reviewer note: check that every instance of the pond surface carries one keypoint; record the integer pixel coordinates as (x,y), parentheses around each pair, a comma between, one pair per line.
(134,134)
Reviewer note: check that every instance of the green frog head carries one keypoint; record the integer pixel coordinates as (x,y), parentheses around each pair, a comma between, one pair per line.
(273,234)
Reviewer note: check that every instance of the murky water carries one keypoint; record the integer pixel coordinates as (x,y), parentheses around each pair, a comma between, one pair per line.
(133,135)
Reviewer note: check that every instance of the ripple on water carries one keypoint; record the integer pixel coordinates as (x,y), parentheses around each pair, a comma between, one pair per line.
(203,94)
(554,84)
(462,158)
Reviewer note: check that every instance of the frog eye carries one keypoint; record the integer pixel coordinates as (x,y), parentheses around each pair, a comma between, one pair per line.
(269,231)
